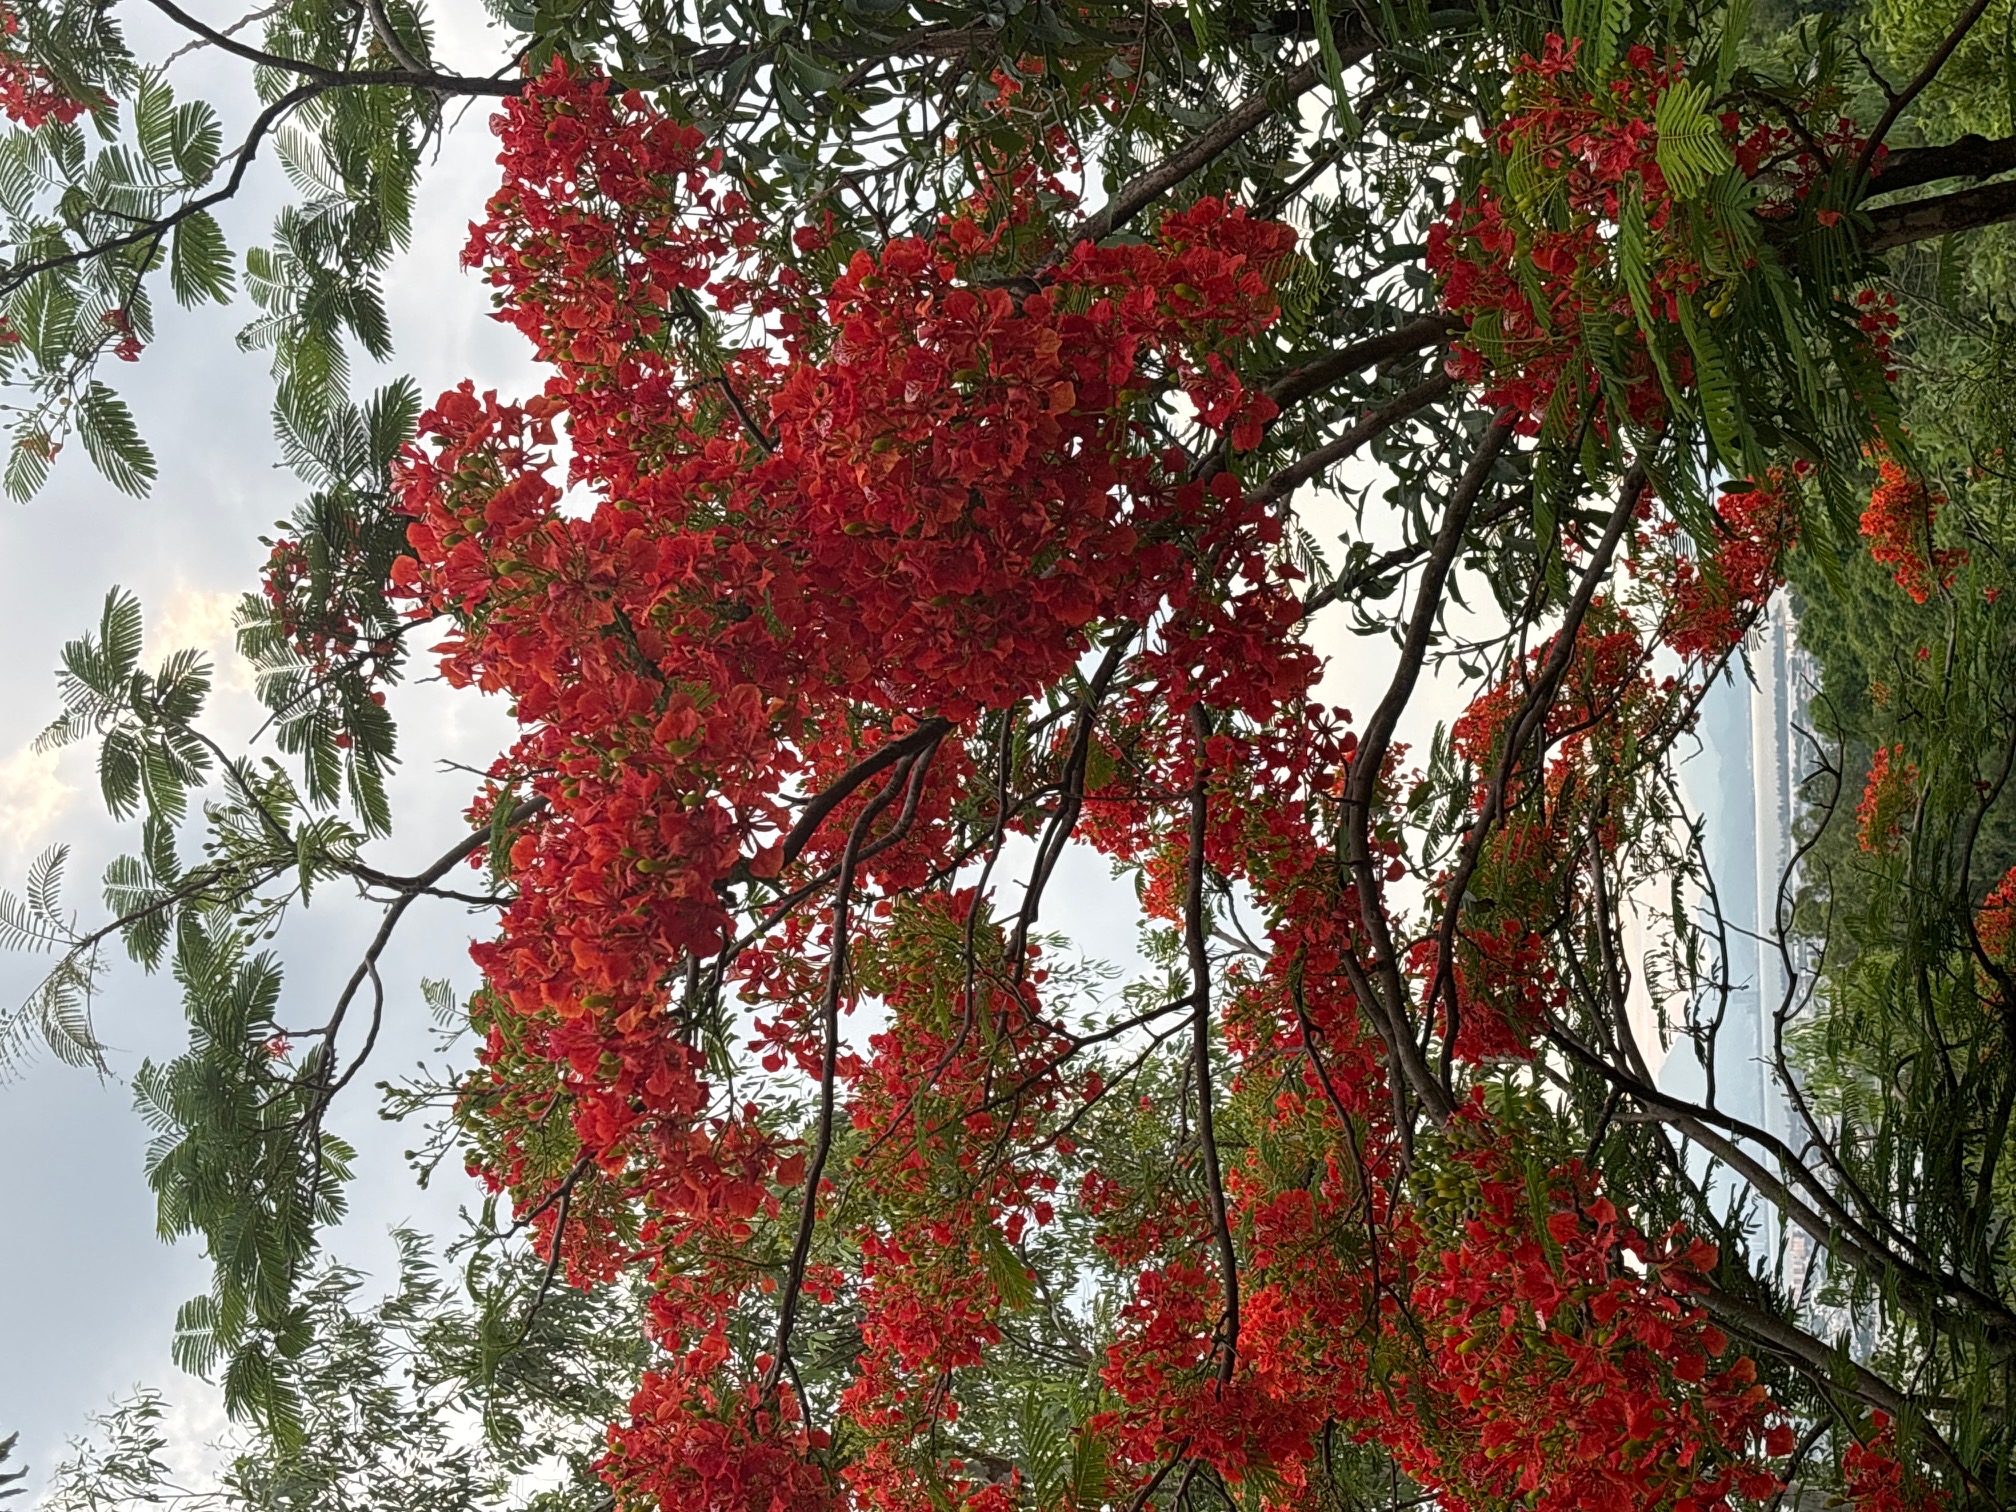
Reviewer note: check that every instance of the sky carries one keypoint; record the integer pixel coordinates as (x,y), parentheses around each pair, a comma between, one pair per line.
(87,1291)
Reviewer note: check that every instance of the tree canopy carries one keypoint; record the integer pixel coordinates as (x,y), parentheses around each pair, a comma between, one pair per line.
(971,436)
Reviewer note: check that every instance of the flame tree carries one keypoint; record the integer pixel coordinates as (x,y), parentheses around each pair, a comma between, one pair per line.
(921,493)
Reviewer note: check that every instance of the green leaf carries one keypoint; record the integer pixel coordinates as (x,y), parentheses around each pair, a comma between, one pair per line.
(196,142)
(112,440)
(106,664)
(1634,267)
(154,121)
(1333,63)
(1735,27)
(199,261)
(1720,406)
(1005,1268)
(1689,146)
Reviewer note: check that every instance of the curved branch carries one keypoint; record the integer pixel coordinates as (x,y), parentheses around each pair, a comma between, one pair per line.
(829,1070)
(1529,722)
(1389,414)
(927,734)
(1418,334)
(1141,191)
(1902,100)
(1400,556)
(411,78)
(12,278)
(1200,1041)
(381,24)
(1385,1002)
(1971,156)
(1918,220)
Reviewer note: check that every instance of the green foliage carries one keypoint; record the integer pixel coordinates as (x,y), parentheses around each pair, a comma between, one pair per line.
(1692,151)
(82,230)
(229,1162)
(391,1387)
(323,658)
(57,1013)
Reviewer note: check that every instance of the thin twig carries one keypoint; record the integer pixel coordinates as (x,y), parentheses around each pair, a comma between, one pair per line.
(829,1067)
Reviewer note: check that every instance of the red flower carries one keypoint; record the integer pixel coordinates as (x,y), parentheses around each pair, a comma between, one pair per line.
(1898,525)
(1887,798)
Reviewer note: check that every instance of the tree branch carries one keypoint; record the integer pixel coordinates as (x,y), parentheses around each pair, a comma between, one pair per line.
(1825,1364)
(1200,151)
(1385,1002)
(1916,87)
(1400,556)
(1918,220)
(1418,334)
(381,24)
(12,278)
(1307,466)
(929,733)
(1527,724)
(411,78)
(1970,156)
(829,1069)
(1200,1042)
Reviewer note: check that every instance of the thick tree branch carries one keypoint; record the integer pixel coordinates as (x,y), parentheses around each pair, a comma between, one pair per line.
(1526,726)
(1418,334)
(1824,1218)
(1824,1363)
(1971,156)
(1385,1002)
(381,26)
(929,733)
(1919,220)
(1389,414)
(1917,86)
(1141,191)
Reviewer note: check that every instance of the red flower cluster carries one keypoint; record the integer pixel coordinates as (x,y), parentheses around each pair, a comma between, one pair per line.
(1715,599)
(1876,1481)
(1887,798)
(27,96)
(776,645)
(1578,1379)
(920,508)
(1995,924)
(1898,525)
(1590,145)
(1571,260)
(128,347)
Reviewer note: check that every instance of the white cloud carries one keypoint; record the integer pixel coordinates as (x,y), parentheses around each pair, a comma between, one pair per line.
(32,797)
(192,619)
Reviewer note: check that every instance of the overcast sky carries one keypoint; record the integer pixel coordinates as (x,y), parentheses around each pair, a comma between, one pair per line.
(87,1293)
